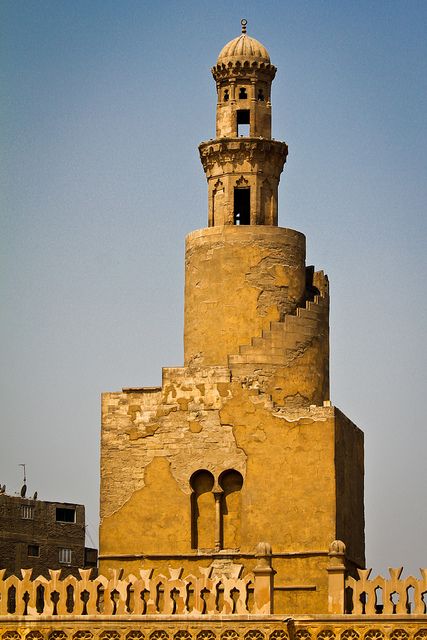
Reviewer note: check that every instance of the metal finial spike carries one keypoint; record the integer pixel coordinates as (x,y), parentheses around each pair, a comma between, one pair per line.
(243,23)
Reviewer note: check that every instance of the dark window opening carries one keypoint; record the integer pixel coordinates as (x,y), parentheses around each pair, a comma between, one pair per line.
(242,206)
(242,93)
(261,95)
(33,551)
(226,95)
(64,514)
(243,122)
(202,509)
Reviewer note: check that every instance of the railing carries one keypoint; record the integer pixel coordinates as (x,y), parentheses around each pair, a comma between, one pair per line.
(393,595)
(372,596)
(140,594)
(133,595)
(205,593)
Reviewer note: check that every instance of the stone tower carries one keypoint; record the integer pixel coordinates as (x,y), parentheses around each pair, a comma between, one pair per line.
(241,445)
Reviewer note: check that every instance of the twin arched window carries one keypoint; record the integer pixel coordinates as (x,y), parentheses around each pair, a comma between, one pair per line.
(216,510)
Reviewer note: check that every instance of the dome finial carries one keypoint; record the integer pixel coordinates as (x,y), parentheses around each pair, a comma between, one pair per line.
(243,23)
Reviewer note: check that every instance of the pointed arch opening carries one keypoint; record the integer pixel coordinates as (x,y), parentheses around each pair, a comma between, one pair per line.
(217,203)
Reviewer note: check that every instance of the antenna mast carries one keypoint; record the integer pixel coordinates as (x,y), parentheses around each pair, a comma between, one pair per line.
(23,465)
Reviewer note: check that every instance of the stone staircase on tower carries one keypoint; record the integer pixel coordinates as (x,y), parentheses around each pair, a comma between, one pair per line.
(282,346)
(285,340)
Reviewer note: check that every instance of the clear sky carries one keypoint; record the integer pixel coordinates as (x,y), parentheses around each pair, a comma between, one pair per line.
(104,104)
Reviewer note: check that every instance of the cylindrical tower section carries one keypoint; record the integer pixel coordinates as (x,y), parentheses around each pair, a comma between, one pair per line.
(237,281)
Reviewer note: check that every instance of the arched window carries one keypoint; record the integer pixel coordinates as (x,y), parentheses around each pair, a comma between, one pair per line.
(226,95)
(202,510)
(231,482)
(217,203)
(242,202)
(260,95)
(243,94)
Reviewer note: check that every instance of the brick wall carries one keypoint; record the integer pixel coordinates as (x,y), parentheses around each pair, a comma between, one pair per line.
(32,533)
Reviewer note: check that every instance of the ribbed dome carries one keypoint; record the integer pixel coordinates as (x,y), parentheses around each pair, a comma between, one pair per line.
(243,48)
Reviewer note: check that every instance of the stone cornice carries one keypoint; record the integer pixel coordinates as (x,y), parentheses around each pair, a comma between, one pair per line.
(238,150)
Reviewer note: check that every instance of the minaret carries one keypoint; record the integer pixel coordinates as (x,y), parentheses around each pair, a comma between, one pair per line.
(243,164)
(250,301)
(241,445)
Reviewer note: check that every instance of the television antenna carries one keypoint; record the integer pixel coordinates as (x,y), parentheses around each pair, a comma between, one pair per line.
(24,486)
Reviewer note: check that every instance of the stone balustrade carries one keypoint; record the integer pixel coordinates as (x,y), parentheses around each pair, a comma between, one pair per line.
(392,595)
(209,606)
(139,594)
(373,596)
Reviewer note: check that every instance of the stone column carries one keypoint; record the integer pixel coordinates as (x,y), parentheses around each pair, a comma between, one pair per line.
(264,580)
(217,491)
(336,577)
(232,90)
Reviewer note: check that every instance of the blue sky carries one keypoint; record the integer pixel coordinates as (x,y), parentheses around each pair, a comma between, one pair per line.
(104,104)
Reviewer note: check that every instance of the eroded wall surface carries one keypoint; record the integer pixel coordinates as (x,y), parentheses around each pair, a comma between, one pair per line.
(153,441)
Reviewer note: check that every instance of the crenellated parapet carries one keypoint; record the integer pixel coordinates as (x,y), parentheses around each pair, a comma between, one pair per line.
(258,70)
(208,604)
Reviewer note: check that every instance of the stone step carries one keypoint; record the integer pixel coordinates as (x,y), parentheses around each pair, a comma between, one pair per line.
(264,358)
(314,314)
(258,342)
(295,322)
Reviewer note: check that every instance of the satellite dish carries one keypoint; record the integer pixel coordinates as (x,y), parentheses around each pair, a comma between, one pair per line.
(23,490)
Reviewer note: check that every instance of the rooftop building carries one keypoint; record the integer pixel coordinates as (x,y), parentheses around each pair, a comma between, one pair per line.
(42,535)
